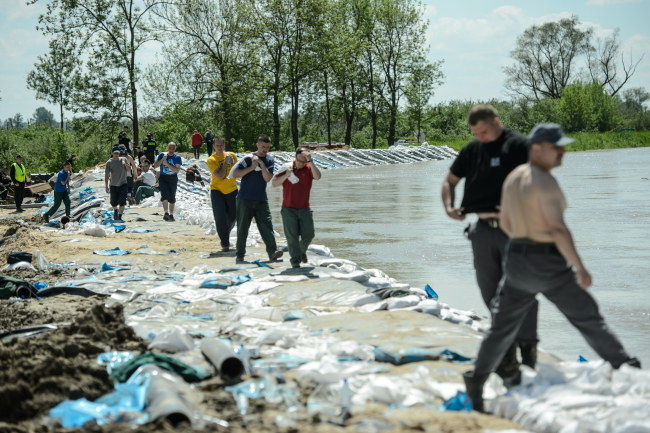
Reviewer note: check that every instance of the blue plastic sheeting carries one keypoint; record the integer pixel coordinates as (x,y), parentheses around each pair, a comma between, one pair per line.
(40,285)
(87,199)
(280,363)
(108,268)
(88,218)
(117,251)
(430,292)
(261,264)
(459,402)
(114,359)
(582,359)
(143,230)
(196,316)
(405,355)
(127,397)
(214,283)
(297,315)
(455,357)
(240,279)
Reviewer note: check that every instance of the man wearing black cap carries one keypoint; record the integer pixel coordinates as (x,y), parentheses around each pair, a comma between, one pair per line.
(19,178)
(484,163)
(540,258)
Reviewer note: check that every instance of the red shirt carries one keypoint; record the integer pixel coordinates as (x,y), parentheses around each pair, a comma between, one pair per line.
(296,195)
(197,139)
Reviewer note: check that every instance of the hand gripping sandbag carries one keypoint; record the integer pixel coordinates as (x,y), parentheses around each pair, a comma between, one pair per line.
(222,356)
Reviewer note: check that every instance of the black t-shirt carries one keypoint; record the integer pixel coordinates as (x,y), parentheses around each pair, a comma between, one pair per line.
(485,166)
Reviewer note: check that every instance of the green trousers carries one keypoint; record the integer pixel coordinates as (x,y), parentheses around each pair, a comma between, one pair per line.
(259,210)
(143,192)
(299,231)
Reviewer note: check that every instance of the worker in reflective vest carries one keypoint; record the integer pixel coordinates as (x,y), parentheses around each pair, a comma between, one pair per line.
(18,177)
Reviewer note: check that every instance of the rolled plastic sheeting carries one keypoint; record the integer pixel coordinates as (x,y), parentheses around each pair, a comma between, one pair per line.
(222,356)
(164,401)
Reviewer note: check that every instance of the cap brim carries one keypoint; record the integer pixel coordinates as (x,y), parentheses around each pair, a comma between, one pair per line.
(564,141)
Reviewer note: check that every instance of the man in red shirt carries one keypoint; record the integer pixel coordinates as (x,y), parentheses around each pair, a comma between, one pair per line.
(296,180)
(197,141)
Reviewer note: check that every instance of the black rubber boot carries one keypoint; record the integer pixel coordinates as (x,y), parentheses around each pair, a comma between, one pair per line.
(508,370)
(474,389)
(528,354)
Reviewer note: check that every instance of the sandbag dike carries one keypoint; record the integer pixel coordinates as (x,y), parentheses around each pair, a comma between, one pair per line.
(306,332)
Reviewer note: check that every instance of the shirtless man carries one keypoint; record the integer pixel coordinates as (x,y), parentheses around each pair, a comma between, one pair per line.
(540,258)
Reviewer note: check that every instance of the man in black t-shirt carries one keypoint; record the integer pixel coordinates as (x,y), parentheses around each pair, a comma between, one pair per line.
(123,138)
(484,163)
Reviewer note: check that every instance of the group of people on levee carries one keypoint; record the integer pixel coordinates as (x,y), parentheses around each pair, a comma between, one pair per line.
(521,244)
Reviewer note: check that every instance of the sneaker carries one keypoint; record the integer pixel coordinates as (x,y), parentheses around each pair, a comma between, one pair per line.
(295,265)
(166,217)
(239,259)
(303,258)
(225,249)
(276,255)
(171,217)
(115,214)
(119,217)
(46,218)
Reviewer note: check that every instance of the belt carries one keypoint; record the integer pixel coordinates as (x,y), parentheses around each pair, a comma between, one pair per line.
(492,222)
(539,248)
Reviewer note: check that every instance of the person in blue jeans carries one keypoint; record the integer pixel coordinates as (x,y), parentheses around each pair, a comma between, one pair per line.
(61,192)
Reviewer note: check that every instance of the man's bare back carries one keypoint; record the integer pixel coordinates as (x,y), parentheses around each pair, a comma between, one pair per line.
(531,201)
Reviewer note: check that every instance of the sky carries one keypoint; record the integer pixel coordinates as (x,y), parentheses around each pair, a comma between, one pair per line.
(473,38)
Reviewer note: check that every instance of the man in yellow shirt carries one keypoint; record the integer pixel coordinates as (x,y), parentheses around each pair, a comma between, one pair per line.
(223,191)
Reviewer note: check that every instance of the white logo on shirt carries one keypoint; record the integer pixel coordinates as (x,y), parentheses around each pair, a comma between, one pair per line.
(495,162)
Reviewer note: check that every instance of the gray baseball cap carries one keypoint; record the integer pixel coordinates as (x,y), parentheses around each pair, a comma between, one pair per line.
(549,132)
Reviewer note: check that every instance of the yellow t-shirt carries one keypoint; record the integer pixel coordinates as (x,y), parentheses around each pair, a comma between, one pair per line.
(226,186)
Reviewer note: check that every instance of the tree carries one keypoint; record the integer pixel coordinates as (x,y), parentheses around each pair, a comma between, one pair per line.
(419,89)
(587,108)
(205,53)
(398,40)
(43,116)
(53,76)
(545,58)
(110,33)
(603,64)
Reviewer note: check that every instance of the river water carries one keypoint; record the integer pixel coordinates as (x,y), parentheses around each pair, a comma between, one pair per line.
(390,217)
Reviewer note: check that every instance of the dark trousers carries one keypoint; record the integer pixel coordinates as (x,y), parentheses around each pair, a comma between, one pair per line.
(167,184)
(224,210)
(246,211)
(58,198)
(19,194)
(197,151)
(299,230)
(540,268)
(488,246)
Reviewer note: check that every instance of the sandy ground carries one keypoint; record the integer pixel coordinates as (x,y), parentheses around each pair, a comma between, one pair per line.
(41,371)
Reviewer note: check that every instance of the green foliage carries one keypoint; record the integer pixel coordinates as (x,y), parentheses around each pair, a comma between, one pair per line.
(586,107)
